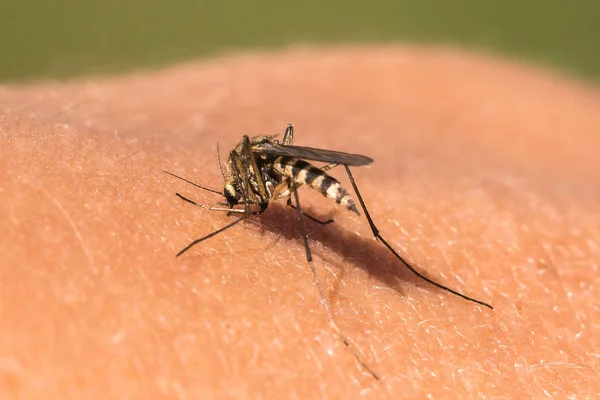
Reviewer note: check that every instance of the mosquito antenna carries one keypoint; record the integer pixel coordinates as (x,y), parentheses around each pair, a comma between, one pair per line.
(322,292)
(195,242)
(219,162)
(402,260)
(192,183)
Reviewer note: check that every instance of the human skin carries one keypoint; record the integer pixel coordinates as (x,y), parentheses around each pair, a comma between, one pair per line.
(485,177)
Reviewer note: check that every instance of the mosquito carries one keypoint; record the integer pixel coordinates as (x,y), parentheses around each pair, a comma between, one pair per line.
(261,169)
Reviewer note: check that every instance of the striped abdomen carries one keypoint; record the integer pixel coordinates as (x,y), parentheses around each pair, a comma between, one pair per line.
(302,172)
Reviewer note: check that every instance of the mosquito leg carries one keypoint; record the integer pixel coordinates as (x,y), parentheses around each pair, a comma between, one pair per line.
(195,242)
(314,219)
(188,200)
(322,293)
(402,260)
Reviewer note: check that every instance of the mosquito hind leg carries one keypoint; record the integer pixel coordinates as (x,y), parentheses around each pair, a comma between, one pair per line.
(314,219)
(398,257)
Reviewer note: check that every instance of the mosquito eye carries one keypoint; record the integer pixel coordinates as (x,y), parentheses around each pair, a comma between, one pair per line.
(229,194)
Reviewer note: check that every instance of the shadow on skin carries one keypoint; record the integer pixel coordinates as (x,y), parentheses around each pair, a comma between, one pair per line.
(366,253)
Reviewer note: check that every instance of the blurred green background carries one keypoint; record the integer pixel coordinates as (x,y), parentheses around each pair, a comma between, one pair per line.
(62,38)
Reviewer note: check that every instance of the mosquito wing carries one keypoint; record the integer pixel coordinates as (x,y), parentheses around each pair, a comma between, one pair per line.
(310,153)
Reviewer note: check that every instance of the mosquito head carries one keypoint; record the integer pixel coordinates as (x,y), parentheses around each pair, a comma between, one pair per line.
(230,194)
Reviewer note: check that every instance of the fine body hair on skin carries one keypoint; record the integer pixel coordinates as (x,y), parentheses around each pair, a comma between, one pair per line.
(485,176)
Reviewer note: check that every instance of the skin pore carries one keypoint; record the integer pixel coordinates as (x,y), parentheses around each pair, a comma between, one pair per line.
(485,178)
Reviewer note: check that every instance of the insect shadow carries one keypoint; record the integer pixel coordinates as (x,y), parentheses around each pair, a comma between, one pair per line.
(261,169)
(362,252)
